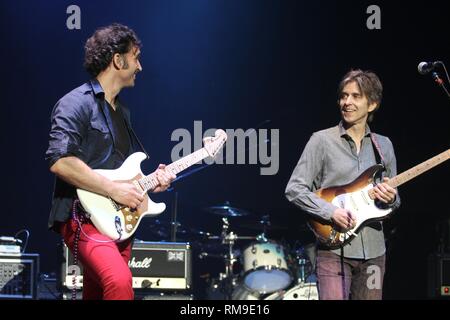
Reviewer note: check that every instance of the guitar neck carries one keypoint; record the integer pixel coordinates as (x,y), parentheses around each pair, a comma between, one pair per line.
(187,161)
(419,169)
(150,182)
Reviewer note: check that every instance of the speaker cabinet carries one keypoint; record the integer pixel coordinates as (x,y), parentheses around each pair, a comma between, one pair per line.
(154,265)
(439,275)
(19,276)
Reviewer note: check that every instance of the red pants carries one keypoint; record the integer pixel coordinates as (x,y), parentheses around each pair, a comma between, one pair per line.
(106,275)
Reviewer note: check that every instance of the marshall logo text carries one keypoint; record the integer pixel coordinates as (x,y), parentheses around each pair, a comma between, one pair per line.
(140,264)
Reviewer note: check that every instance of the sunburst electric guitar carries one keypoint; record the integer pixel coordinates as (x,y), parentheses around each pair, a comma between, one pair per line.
(119,222)
(358,197)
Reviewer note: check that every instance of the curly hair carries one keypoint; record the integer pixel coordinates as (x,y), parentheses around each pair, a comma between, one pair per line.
(369,84)
(104,43)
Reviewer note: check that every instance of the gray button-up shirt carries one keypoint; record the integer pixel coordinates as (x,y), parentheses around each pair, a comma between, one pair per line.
(330,159)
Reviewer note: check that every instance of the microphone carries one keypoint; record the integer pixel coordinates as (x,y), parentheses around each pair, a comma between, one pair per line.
(426,67)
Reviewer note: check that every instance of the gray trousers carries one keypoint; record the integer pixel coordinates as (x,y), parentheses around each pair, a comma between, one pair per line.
(344,278)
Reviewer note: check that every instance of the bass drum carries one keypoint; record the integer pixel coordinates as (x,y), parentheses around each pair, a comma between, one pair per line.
(302,291)
(265,267)
(241,292)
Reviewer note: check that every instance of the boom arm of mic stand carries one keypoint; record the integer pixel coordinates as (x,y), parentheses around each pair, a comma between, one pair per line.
(440,82)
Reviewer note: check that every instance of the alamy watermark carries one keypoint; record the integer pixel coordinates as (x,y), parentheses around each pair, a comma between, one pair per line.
(374,20)
(252,146)
(374,280)
(74,19)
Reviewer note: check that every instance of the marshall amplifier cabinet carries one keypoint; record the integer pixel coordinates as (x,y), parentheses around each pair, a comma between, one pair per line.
(161,265)
(19,276)
(154,265)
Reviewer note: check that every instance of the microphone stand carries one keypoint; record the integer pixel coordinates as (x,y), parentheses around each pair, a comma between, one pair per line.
(174,222)
(440,82)
(438,79)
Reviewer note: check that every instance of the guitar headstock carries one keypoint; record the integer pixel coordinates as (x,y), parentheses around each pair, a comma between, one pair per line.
(214,144)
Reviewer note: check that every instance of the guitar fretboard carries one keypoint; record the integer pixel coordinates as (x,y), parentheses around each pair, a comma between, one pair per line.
(419,169)
(150,182)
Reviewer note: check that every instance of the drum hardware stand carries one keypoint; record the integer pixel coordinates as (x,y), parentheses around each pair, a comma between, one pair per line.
(300,255)
(230,258)
(174,224)
(302,263)
(229,239)
(262,238)
(265,222)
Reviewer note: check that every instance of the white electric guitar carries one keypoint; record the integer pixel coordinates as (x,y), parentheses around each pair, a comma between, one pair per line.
(119,222)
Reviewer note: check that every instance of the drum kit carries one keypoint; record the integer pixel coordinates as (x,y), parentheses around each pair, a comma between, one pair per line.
(268,269)
(254,267)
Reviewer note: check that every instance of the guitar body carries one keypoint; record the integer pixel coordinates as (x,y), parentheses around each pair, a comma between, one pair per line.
(354,197)
(110,218)
(119,222)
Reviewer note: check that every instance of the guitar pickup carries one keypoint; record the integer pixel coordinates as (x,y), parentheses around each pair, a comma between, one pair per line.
(363,195)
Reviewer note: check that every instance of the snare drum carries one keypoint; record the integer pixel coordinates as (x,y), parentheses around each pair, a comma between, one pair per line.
(265,267)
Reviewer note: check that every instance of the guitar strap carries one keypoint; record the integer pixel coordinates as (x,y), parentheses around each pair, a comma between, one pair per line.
(378,155)
(130,129)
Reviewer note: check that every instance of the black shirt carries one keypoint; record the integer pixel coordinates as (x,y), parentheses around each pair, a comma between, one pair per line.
(82,125)
(122,142)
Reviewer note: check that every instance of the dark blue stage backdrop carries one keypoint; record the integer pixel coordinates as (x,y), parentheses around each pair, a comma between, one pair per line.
(233,64)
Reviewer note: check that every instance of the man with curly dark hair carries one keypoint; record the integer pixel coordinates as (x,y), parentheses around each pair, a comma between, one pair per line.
(91,129)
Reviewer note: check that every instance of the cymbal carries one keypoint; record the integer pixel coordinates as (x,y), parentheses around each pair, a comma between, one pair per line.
(232,237)
(227,211)
(260,226)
